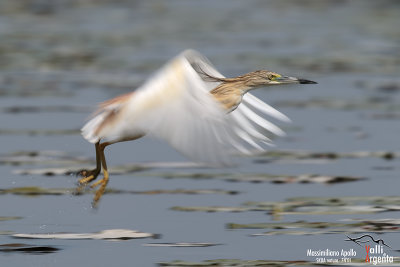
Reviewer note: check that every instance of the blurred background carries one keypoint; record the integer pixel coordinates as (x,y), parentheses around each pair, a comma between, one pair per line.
(59,58)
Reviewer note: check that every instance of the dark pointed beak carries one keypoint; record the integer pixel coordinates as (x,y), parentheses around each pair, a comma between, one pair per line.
(287,80)
(304,81)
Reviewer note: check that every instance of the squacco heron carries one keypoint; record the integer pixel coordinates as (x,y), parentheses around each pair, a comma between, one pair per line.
(193,107)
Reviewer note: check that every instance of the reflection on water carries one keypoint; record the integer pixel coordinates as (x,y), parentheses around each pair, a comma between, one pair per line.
(59,58)
(26,248)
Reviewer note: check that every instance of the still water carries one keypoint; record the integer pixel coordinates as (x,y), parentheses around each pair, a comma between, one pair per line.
(59,59)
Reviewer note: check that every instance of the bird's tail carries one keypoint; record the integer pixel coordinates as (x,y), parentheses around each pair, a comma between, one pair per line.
(90,129)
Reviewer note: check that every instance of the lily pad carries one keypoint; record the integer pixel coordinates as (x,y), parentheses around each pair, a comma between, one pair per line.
(218,209)
(5,218)
(324,179)
(41,157)
(316,228)
(27,248)
(38,191)
(230,177)
(35,191)
(114,170)
(310,206)
(262,177)
(277,263)
(37,109)
(307,155)
(175,191)
(298,154)
(376,200)
(111,234)
(34,132)
(289,225)
(180,244)
(251,263)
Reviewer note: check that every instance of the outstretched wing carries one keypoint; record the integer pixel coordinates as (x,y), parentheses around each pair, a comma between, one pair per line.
(248,130)
(175,105)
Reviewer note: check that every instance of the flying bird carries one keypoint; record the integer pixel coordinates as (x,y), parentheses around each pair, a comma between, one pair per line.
(193,107)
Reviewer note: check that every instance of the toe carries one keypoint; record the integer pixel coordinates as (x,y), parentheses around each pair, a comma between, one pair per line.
(102,182)
(85,180)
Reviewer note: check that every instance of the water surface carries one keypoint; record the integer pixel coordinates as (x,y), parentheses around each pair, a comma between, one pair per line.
(59,59)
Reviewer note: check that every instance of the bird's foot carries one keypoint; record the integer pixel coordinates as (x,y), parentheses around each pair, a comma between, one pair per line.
(99,193)
(88,176)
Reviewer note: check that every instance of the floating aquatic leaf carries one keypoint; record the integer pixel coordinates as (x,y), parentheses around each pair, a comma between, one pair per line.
(218,209)
(175,191)
(356,230)
(26,248)
(324,205)
(37,109)
(180,244)
(377,222)
(387,200)
(315,228)
(310,206)
(289,225)
(48,171)
(309,210)
(42,157)
(114,170)
(237,263)
(317,179)
(252,263)
(37,191)
(307,155)
(33,132)
(326,210)
(262,177)
(112,234)
(298,232)
(34,191)
(6,232)
(5,218)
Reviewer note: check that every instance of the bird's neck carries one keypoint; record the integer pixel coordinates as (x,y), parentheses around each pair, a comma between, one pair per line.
(230,94)
(230,91)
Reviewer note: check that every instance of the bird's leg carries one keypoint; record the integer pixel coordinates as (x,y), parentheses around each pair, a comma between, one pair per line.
(100,162)
(90,175)
(104,181)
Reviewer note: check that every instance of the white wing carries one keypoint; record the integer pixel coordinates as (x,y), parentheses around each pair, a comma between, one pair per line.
(175,105)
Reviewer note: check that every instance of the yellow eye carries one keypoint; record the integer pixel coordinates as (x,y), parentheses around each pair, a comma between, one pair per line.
(273,77)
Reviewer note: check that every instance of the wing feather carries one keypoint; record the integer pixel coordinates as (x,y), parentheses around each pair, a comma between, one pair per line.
(257,119)
(255,102)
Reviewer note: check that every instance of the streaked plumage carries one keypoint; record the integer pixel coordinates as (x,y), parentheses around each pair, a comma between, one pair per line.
(193,107)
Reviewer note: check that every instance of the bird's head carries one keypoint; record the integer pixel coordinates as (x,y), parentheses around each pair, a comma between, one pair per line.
(265,77)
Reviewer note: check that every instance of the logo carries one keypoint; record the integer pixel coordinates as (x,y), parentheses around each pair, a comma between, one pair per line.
(374,251)
(365,239)
(375,254)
